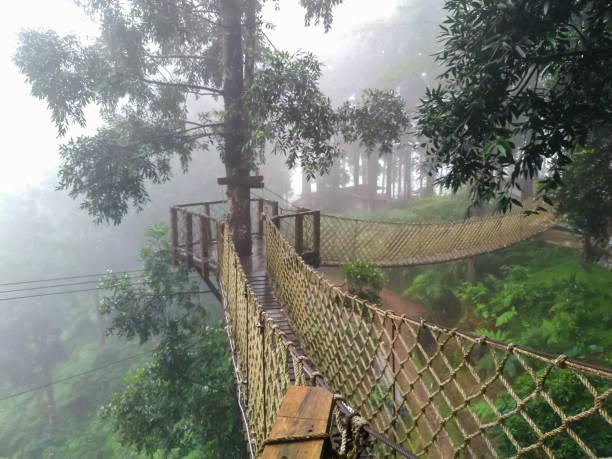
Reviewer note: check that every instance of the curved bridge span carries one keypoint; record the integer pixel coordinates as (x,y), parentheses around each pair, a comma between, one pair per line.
(344,240)
(403,387)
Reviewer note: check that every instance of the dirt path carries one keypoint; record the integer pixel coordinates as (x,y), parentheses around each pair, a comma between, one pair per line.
(393,302)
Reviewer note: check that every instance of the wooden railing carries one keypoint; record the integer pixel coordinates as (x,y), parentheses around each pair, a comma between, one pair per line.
(193,236)
(303,229)
(193,231)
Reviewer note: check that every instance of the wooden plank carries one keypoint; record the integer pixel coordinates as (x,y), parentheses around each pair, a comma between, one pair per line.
(252,181)
(304,411)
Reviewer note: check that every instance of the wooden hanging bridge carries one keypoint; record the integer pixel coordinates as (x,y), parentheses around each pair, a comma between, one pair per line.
(401,387)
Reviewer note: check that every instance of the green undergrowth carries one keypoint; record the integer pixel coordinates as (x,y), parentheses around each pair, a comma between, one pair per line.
(425,210)
(532,294)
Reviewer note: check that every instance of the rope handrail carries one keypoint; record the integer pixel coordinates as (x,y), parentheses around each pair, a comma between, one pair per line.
(437,390)
(416,385)
(261,353)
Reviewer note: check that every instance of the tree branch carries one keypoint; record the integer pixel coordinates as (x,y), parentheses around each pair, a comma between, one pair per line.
(182,56)
(604,52)
(183,85)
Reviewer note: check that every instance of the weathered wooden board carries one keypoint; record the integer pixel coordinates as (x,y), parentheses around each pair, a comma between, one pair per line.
(304,411)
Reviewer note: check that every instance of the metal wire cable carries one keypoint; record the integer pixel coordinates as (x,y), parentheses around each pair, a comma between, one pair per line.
(76,375)
(72,277)
(93,290)
(27,289)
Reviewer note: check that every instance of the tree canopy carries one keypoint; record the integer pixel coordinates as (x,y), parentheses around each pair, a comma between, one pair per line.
(184,400)
(525,84)
(146,71)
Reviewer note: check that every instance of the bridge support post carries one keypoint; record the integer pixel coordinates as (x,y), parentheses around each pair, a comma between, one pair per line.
(204,241)
(302,425)
(188,222)
(174,234)
(299,233)
(316,237)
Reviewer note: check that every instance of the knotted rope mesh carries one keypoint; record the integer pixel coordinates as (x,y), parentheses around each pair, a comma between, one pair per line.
(265,361)
(436,391)
(400,244)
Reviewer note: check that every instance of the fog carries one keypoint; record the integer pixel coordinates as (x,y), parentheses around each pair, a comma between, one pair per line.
(45,235)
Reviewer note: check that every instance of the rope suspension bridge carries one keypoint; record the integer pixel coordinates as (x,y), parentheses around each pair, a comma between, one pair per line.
(401,387)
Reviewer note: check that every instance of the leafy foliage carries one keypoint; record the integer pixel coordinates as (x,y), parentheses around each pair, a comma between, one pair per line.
(144,72)
(180,402)
(586,195)
(572,397)
(526,82)
(290,112)
(365,280)
(377,121)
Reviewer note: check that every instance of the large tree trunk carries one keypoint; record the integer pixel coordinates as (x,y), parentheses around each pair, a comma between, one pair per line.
(237,158)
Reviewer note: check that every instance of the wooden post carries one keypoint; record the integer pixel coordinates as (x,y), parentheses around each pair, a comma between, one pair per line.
(260,211)
(274,208)
(208,221)
(188,238)
(304,411)
(204,241)
(173,234)
(316,234)
(299,233)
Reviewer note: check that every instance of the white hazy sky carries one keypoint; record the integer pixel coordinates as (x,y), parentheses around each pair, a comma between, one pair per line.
(29,143)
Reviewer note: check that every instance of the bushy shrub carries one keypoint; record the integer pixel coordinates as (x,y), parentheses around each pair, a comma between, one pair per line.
(365,280)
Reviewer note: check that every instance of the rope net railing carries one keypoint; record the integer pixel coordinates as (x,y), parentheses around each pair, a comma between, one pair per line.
(346,240)
(266,363)
(440,392)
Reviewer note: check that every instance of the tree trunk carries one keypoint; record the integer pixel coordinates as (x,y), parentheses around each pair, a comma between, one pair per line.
(408,176)
(526,188)
(51,406)
(237,158)
(586,252)
(372,175)
(429,186)
(471,269)
(305,186)
(356,170)
(389,176)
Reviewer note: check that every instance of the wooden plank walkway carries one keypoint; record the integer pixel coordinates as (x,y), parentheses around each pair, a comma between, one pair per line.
(255,269)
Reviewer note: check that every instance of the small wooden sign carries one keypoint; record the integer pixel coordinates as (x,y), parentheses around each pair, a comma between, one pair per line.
(252,181)
(305,411)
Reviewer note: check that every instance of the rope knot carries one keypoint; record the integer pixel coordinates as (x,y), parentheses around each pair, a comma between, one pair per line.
(560,360)
(313,377)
